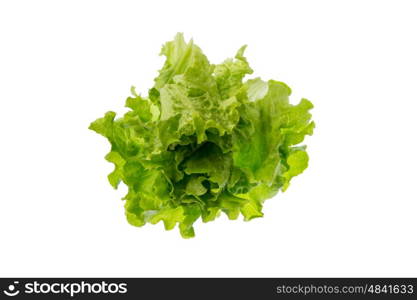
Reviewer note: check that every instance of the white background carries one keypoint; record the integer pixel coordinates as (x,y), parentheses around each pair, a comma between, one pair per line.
(352,213)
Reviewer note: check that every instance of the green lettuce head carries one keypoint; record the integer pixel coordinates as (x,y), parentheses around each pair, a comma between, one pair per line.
(204,141)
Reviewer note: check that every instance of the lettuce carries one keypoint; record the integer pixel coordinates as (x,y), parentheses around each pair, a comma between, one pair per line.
(204,141)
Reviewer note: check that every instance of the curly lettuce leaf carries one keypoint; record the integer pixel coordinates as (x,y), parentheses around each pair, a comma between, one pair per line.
(204,141)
